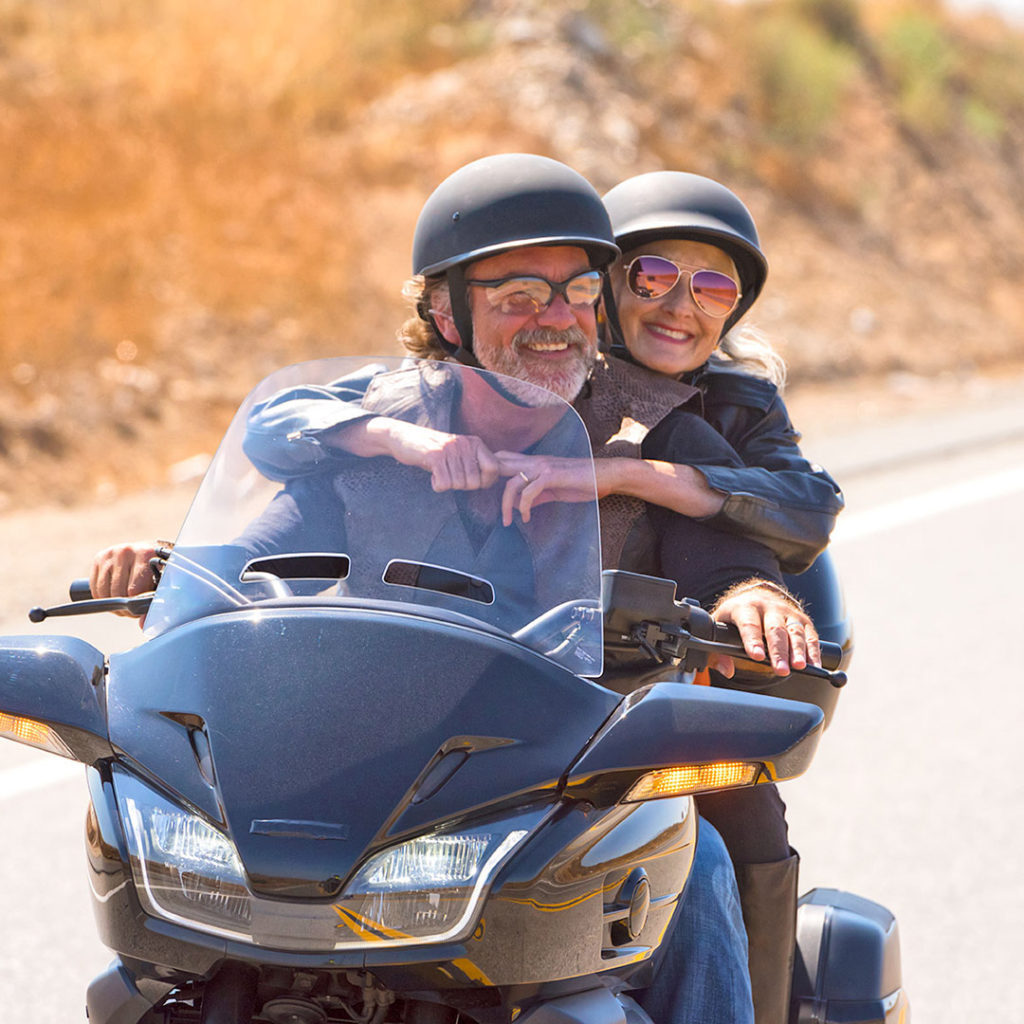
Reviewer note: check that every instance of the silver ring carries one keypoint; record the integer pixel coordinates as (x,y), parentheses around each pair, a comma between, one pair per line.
(526,479)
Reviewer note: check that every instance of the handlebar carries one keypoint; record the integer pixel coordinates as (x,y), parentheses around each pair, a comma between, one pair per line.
(678,629)
(642,615)
(726,633)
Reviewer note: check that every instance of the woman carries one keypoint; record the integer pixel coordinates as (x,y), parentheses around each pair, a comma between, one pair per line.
(691,267)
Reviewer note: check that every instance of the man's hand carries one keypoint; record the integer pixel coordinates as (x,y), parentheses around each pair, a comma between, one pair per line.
(764,611)
(455,462)
(123,570)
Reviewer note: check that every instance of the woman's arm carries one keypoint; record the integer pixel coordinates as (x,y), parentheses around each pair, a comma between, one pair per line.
(682,489)
(773,494)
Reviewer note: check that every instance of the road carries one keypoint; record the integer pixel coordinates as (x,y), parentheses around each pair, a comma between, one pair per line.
(48,946)
(914,799)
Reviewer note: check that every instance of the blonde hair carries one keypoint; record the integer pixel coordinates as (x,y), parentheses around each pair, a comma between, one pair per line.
(418,334)
(749,348)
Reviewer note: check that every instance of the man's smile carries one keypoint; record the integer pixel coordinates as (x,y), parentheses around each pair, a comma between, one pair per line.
(559,345)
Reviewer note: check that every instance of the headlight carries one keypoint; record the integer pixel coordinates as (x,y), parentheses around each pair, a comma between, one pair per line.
(427,889)
(185,870)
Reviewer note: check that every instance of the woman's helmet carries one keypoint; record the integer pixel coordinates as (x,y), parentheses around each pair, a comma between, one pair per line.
(506,202)
(676,204)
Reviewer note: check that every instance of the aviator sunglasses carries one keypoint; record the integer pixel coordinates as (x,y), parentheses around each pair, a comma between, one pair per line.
(525,295)
(713,293)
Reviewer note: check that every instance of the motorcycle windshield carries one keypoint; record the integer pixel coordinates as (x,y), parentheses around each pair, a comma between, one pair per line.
(317,495)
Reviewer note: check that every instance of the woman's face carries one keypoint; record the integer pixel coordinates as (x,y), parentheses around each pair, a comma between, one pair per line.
(670,334)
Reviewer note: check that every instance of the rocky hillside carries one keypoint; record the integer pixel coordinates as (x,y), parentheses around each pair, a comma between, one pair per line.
(191,196)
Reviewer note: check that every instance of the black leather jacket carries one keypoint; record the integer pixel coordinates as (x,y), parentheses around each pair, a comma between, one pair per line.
(778,498)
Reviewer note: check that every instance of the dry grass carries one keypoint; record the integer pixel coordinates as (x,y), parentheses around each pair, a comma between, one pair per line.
(176,195)
(193,192)
(164,155)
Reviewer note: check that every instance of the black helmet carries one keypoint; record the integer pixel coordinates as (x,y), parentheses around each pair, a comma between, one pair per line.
(506,202)
(676,204)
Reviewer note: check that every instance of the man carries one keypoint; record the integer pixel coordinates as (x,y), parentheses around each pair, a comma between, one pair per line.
(509,254)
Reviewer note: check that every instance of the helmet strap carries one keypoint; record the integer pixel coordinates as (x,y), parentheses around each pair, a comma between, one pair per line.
(616,344)
(461,316)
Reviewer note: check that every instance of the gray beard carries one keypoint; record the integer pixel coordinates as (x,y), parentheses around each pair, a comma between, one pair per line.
(566,383)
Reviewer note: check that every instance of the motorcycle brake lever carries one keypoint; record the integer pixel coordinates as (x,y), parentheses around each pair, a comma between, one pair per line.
(137,606)
(639,636)
(83,604)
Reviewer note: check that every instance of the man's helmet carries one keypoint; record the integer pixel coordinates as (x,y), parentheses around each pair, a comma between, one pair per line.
(505,202)
(676,204)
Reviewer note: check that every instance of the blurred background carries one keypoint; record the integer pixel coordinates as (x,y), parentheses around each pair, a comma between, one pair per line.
(194,192)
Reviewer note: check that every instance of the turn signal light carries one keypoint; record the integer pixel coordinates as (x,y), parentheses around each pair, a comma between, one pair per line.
(35,734)
(689,779)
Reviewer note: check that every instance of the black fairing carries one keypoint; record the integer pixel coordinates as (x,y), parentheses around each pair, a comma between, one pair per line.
(667,723)
(319,752)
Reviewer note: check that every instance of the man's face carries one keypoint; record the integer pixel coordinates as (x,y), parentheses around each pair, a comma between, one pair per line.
(554,348)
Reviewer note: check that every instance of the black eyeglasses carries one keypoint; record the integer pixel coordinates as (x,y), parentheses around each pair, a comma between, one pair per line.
(651,277)
(524,295)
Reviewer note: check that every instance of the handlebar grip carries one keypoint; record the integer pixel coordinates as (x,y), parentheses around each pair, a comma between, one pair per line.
(831,654)
(79,590)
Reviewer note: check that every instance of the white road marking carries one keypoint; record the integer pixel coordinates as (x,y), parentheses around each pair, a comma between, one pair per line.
(26,778)
(931,503)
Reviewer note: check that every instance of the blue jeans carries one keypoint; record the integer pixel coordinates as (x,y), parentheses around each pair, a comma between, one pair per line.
(703,977)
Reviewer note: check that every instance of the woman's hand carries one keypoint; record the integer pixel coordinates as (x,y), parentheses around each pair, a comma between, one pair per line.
(537,479)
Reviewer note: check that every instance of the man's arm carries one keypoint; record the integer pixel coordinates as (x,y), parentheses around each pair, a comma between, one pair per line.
(290,434)
(304,429)
(455,462)
(739,581)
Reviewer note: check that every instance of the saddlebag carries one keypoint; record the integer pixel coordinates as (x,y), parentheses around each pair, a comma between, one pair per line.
(847,966)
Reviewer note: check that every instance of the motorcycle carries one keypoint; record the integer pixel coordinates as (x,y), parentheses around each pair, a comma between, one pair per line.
(383,756)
